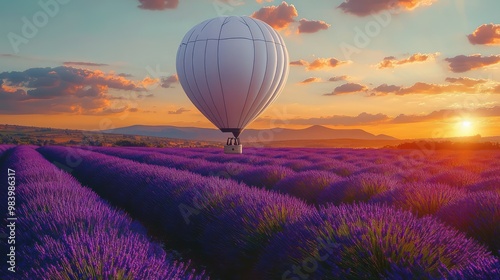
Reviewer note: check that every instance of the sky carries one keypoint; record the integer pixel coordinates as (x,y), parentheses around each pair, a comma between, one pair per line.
(406,68)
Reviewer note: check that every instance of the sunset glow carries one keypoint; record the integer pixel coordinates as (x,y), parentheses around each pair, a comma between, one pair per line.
(405,69)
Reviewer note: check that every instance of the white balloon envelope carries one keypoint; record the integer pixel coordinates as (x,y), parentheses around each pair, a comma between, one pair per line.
(232,68)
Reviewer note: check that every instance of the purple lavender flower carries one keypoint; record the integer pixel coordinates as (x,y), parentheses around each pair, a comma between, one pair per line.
(478,215)
(68,232)
(455,178)
(307,185)
(367,242)
(357,188)
(420,198)
(265,176)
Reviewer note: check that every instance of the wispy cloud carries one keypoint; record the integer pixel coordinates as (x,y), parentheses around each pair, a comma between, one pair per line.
(300,62)
(178,111)
(454,85)
(385,89)
(80,63)
(365,119)
(341,120)
(325,63)
(447,114)
(347,89)
(310,80)
(367,7)
(158,4)
(319,63)
(391,61)
(464,63)
(339,78)
(469,82)
(167,82)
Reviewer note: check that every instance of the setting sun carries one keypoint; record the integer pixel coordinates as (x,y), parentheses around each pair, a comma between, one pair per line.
(465,128)
(466,124)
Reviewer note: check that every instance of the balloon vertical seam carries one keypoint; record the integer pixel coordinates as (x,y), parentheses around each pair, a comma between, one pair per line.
(251,77)
(218,70)
(194,75)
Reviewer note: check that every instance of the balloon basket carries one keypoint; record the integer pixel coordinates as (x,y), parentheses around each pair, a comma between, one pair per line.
(233,149)
(233,146)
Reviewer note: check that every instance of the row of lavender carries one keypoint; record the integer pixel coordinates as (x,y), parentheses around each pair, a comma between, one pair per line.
(4,148)
(463,170)
(445,194)
(66,231)
(353,160)
(248,233)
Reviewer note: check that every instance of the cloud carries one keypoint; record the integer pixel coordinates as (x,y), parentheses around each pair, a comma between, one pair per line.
(319,63)
(341,120)
(310,80)
(312,26)
(145,95)
(62,90)
(158,4)
(9,55)
(391,61)
(380,118)
(372,119)
(284,16)
(367,7)
(133,110)
(464,63)
(178,111)
(347,88)
(167,82)
(279,17)
(495,89)
(426,88)
(385,89)
(324,63)
(465,81)
(447,114)
(78,63)
(486,34)
(455,85)
(339,78)
(299,63)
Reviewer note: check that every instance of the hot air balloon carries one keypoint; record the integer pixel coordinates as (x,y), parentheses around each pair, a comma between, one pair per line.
(232,68)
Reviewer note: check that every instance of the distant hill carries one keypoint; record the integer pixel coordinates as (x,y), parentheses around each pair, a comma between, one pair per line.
(329,143)
(316,132)
(18,135)
(170,136)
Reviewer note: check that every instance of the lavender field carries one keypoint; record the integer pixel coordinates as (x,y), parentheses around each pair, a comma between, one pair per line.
(192,213)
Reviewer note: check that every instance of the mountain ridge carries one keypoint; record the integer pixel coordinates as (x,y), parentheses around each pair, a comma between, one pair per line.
(315,132)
